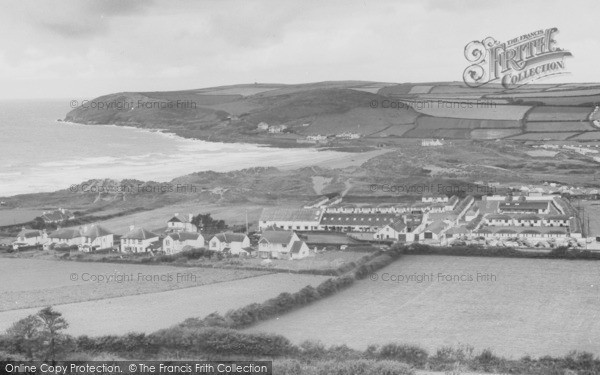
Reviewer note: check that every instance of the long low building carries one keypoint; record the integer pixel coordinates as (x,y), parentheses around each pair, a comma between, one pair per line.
(290,218)
(341,222)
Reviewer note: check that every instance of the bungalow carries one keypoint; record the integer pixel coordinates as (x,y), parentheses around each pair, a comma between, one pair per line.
(278,244)
(235,243)
(139,240)
(30,237)
(181,223)
(66,236)
(175,242)
(393,231)
(96,237)
(263,126)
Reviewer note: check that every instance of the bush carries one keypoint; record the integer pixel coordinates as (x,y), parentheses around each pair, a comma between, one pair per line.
(351,367)
(410,354)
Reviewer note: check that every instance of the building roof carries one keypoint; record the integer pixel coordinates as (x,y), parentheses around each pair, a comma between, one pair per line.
(398,225)
(526,205)
(506,231)
(474,210)
(528,217)
(453,200)
(179,219)
(296,247)
(371,219)
(436,227)
(229,237)
(95,231)
(139,234)
(29,233)
(498,217)
(458,230)
(463,204)
(56,216)
(530,231)
(290,214)
(277,236)
(557,217)
(66,233)
(184,236)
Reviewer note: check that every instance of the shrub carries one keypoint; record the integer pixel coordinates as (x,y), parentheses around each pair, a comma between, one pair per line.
(410,354)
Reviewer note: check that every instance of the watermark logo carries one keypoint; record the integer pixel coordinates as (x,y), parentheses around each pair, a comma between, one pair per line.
(514,63)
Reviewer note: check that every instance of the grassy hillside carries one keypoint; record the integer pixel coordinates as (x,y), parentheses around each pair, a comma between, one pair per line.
(407,110)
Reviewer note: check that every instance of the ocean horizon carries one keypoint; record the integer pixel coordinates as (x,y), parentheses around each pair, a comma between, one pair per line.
(41,154)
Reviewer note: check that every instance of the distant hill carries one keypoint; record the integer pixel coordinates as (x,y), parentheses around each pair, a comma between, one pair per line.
(377,111)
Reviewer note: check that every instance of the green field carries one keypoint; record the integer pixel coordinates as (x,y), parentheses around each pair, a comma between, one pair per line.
(162,303)
(28,283)
(533,307)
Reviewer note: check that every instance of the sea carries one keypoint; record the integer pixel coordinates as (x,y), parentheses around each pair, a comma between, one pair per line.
(40,154)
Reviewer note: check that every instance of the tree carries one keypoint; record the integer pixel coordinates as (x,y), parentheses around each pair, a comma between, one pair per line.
(25,336)
(208,224)
(52,324)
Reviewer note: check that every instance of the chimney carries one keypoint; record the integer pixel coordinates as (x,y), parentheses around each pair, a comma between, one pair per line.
(131,227)
(190,217)
(176,213)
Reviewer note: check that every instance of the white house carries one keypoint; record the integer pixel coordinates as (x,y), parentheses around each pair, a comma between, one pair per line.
(181,223)
(235,243)
(175,242)
(299,250)
(96,237)
(263,126)
(66,236)
(30,237)
(394,231)
(139,240)
(278,244)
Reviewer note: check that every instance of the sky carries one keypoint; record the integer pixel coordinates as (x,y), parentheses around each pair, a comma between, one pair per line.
(80,49)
